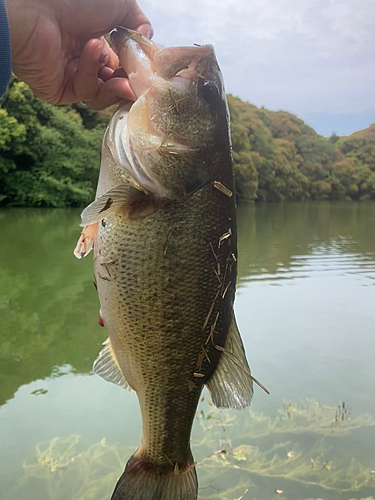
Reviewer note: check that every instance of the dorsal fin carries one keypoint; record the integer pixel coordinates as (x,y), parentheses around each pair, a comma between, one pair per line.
(231,385)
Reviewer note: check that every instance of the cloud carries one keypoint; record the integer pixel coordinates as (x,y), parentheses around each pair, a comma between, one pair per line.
(302,55)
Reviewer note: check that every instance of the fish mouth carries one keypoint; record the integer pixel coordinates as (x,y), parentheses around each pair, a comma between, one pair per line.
(158,127)
(120,35)
(143,60)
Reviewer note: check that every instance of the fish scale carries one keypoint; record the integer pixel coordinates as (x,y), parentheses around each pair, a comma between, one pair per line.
(159,343)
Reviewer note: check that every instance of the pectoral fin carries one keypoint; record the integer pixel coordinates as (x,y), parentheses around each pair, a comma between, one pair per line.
(107,367)
(114,200)
(231,385)
(86,241)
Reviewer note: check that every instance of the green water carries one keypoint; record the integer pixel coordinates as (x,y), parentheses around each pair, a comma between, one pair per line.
(306,309)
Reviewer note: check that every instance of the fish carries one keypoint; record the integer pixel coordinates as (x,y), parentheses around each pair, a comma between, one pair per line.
(163,230)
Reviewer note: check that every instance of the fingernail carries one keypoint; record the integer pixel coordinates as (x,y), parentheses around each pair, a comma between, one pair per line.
(97,52)
(147,30)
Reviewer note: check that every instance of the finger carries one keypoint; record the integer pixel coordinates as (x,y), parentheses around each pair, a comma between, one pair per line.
(83,84)
(105,73)
(108,56)
(134,17)
(111,92)
(147,30)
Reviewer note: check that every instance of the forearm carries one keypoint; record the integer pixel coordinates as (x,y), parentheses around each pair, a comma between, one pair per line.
(5,54)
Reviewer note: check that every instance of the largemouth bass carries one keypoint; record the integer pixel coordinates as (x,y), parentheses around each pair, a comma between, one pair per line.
(163,229)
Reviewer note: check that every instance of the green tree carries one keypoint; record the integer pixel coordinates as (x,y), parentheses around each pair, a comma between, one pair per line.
(47,156)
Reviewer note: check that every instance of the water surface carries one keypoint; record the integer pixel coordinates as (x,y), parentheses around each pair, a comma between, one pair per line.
(306,309)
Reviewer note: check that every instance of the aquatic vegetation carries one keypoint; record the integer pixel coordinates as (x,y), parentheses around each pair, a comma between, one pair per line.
(287,461)
(234,454)
(308,418)
(311,417)
(65,472)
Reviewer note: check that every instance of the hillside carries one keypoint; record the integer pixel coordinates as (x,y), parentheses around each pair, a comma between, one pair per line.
(278,157)
(49,156)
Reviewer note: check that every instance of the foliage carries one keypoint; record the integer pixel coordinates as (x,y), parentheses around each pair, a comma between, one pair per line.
(294,162)
(49,156)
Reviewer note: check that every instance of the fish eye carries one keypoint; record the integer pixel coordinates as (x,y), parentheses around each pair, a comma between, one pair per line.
(209,92)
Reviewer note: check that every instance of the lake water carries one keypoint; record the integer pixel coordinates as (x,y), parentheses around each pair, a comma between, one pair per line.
(306,309)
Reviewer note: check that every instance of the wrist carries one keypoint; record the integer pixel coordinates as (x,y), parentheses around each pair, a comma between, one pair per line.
(5,55)
(23,17)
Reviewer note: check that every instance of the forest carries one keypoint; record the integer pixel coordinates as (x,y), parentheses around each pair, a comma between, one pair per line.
(50,156)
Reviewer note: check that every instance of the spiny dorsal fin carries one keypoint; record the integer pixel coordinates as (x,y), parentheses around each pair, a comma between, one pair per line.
(107,367)
(114,200)
(231,385)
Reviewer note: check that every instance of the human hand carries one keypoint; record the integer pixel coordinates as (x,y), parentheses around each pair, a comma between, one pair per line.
(58,48)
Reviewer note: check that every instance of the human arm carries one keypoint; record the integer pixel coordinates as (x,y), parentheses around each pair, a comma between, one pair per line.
(5,56)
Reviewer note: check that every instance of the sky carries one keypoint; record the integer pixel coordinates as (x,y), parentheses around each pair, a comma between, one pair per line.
(313,58)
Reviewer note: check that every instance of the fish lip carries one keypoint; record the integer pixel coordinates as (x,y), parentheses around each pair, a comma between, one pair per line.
(120,35)
(158,56)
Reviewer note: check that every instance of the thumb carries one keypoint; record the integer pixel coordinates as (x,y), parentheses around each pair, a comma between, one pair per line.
(146,30)
(83,83)
(135,19)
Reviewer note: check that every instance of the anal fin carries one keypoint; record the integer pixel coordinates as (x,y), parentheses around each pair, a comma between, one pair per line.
(107,367)
(86,241)
(231,385)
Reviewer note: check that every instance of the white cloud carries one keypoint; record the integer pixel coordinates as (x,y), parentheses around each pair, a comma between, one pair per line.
(301,55)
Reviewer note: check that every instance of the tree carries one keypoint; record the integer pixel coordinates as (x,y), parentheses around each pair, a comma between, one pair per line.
(47,156)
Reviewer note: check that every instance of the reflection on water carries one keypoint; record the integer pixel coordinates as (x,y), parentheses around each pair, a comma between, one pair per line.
(310,337)
(46,298)
(291,241)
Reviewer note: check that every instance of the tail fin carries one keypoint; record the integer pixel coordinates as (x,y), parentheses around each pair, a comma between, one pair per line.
(143,480)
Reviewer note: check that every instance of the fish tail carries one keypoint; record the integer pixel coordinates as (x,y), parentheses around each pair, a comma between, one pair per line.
(143,480)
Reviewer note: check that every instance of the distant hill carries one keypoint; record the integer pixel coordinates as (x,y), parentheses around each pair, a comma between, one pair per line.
(278,157)
(49,156)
